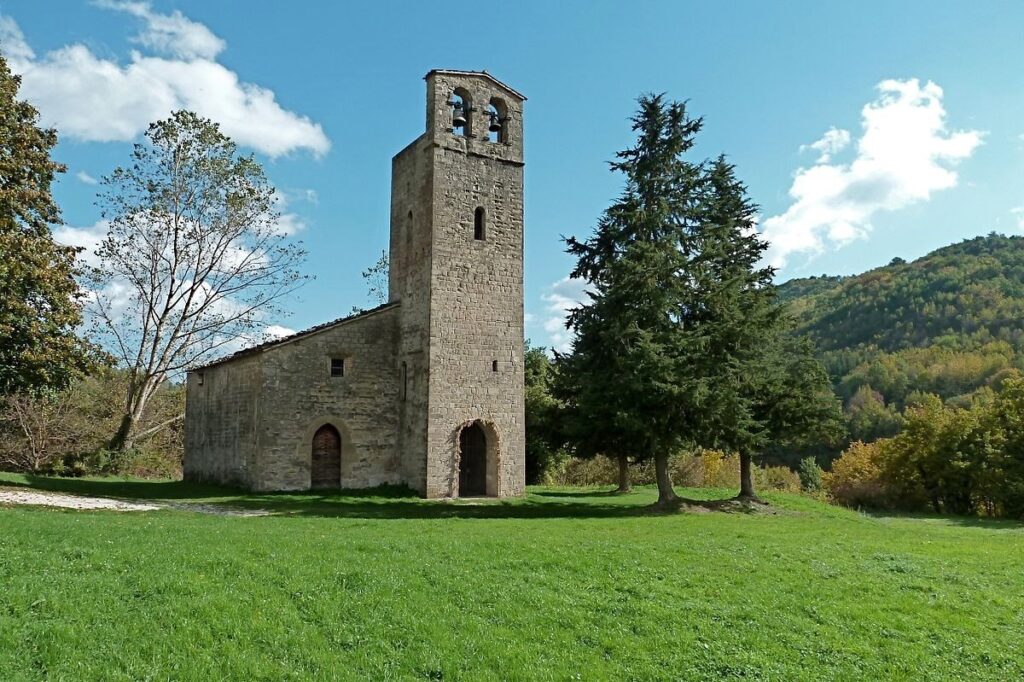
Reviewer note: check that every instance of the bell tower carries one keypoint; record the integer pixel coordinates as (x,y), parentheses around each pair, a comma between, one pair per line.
(457,268)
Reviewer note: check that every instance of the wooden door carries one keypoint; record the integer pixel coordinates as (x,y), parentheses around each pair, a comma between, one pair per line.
(326,465)
(472,461)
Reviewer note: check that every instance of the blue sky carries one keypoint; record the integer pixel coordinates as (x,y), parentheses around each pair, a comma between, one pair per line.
(864,130)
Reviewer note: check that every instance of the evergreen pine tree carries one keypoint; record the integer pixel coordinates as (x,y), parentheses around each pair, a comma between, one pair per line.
(627,386)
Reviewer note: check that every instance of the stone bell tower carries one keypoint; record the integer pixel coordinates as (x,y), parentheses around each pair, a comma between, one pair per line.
(457,269)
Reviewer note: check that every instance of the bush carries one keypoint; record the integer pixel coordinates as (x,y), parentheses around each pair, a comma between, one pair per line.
(810,475)
(857,478)
(782,479)
(709,469)
(65,433)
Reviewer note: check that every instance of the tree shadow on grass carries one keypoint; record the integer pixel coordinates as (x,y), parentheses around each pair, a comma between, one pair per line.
(127,489)
(386,502)
(579,493)
(984,522)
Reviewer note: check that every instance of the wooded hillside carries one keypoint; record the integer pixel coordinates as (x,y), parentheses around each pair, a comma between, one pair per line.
(950,323)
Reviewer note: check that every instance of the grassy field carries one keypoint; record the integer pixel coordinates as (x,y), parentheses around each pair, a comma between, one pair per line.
(564,584)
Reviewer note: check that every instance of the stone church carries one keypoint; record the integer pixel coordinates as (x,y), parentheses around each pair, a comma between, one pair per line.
(425,390)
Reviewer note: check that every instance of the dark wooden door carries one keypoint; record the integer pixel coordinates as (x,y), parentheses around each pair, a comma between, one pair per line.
(326,469)
(472,461)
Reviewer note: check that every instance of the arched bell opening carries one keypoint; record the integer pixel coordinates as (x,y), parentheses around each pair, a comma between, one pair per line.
(461,103)
(497,120)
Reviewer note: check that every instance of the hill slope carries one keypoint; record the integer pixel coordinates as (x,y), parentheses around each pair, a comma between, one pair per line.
(949,323)
(964,294)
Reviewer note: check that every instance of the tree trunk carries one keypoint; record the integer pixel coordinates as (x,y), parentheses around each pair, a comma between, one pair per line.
(124,438)
(624,484)
(746,478)
(666,495)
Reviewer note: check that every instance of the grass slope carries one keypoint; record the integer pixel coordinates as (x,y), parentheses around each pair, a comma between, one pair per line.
(564,584)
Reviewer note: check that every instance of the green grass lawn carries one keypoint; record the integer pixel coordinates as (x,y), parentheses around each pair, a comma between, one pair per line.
(563,584)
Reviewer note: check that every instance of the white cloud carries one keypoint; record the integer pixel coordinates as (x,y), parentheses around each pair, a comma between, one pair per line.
(12,41)
(562,297)
(86,178)
(91,98)
(287,223)
(173,34)
(88,238)
(904,154)
(1018,216)
(832,142)
(276,331)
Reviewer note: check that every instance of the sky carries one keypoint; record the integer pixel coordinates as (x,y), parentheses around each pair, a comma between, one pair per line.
(863,130)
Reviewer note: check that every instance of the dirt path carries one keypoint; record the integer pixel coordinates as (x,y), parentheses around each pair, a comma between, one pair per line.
(48,499)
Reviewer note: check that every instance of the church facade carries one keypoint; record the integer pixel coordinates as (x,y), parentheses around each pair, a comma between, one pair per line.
(425,390)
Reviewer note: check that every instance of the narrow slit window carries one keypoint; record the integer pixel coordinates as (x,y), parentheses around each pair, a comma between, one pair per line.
(479,226)
(494,365)
(337,367)
(405,381)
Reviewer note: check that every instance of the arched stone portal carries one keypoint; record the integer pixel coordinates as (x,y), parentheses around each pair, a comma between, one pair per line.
(325,467)
(472,461)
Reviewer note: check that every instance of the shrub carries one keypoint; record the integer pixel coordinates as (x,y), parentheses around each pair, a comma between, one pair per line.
(857,477)
(711,469)
(810,475)
(65,432)
(782,479)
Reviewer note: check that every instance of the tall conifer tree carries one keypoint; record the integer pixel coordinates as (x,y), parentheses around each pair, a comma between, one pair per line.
(627,385)
(682,342)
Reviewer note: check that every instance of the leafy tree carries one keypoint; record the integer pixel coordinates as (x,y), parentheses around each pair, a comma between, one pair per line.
(767,390)
(39,299)
(65,431)
(193,260)
(869,418)
(376,278)
(945,324)
(859,478)
(628,382)
(544,440)
(1007,414)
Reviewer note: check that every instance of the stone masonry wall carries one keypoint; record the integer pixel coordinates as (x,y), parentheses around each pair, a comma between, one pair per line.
(221,405)
(476,317)
(300,396)
(411,211)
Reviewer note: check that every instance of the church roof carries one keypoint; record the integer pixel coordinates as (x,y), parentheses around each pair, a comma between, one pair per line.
(294,337)
(482,74)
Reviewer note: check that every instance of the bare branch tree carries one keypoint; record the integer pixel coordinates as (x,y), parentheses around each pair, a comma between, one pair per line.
(193,261)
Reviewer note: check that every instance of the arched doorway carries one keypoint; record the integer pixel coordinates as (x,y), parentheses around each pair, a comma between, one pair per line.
(472,461)
(325,469)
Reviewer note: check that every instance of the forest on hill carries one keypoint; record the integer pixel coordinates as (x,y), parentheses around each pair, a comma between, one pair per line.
(947,324)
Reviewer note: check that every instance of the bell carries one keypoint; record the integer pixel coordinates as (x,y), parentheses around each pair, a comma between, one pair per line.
(495,126)
(458,117)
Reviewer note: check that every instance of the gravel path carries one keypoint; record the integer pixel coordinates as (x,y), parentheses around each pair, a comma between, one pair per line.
(47,499)
(70,501)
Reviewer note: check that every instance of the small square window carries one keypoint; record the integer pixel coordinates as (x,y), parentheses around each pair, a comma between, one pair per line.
(337,367)
(200,378)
